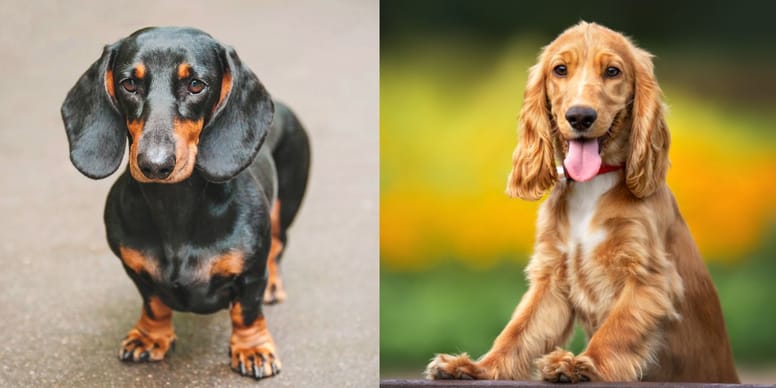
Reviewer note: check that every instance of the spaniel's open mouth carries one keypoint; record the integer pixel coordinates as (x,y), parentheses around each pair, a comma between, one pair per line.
(583,159)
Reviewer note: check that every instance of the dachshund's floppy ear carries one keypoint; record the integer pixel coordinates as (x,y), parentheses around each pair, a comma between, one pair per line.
(533,162)
(241,121)
(96,135)
(647,163)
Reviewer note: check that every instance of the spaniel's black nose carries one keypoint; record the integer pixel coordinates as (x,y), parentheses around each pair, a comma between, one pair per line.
(581,117)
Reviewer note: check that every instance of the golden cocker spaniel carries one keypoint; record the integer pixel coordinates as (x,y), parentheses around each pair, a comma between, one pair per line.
(612,250)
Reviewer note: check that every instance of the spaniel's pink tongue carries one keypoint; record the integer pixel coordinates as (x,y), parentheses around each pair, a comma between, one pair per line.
(582,162)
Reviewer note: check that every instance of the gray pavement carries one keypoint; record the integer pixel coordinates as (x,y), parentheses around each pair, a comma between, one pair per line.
(65,302)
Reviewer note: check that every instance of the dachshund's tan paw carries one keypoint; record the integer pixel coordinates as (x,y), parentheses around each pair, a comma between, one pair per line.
(258,362)
(561,366)
(449,367)
(141,346)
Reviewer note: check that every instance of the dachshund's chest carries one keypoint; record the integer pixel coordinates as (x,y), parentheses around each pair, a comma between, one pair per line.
(590,285)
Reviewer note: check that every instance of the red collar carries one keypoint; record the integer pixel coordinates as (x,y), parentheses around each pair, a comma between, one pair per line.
(605,168)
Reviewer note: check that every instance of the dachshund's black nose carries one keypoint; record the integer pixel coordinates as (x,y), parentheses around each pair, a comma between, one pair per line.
(581,117)
(157,166)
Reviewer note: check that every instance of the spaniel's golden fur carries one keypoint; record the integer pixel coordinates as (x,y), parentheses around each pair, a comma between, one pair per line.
(612,252)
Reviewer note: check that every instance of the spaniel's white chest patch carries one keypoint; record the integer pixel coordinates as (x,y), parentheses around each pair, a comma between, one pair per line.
(581,205)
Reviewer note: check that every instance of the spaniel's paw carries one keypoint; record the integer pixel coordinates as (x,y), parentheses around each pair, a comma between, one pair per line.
(449,367)
(561,366)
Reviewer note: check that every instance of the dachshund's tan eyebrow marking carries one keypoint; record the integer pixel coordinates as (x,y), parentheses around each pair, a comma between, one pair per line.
(140,70)
(184,70)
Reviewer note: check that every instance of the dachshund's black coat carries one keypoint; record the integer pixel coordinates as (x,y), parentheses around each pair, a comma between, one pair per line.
(216,174)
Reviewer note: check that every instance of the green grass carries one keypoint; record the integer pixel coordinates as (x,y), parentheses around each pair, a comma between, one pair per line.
(453,308)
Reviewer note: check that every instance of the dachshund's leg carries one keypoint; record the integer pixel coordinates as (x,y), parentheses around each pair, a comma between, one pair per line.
(251,348)
(275,292)
(153,335)
(252,351)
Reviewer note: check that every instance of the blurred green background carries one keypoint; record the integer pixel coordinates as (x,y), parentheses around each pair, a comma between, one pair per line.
(453,246)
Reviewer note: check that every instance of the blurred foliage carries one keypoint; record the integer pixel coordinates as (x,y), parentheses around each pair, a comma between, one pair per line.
(452,75)
(712,25)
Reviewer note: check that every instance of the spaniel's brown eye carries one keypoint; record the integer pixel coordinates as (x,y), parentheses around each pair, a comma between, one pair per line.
(196,86)
(612,71)
(129,85)
(560,70)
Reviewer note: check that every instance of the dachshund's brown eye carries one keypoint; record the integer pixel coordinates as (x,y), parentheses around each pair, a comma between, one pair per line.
(196,86)
(612,71)
(560,70)
(129,85)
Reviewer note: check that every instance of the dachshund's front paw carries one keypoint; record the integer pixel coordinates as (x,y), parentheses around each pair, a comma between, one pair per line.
(447,367)
(561,366)
(139,345)
(255,361)
(251,348)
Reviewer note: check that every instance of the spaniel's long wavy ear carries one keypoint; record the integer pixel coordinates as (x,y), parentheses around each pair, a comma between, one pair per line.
(647,163)
(242,119)
(533,161)
(95,131)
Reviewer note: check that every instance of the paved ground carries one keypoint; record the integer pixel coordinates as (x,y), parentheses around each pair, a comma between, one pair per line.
(64,300)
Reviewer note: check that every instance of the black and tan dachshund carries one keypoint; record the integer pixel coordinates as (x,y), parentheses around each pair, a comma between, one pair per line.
(216,174)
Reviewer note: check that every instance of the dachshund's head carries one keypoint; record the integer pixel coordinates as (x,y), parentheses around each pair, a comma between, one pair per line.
(592,99)
(182,99)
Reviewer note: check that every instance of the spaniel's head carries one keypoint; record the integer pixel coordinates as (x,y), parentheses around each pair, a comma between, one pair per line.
(592,99)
